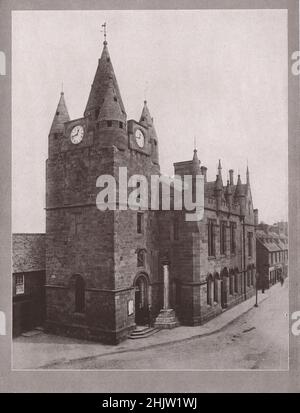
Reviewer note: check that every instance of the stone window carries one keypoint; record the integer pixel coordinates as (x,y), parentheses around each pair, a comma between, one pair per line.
(20,285)
(216,289)
(250,244)
(209,286)
(109,123)
(141,258)
(79,294)
(231,281)
(236,281)
(223,238)
(139,226)
(121,125)
(211,239)
(138,186)
(232,238)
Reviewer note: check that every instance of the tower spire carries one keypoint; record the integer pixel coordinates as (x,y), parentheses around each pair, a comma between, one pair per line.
(220,168)
(61,115)
(147,120)
(238,189)
(104,76)
(219,181)
(196,163)
(247,175)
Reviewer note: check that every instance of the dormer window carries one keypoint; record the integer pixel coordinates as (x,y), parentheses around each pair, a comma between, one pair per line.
(115,99)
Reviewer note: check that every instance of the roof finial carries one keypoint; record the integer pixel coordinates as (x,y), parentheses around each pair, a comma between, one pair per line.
(62,88)
(195,143)
(145,92)
(104,31)
(219,167)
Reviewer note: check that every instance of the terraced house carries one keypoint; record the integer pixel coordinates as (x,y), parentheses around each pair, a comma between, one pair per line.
(272,254)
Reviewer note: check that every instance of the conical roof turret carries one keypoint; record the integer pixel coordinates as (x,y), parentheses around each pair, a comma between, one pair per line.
(238,189)
(104,76)
(219,181)
(196,163)
(147,119)
(61,116)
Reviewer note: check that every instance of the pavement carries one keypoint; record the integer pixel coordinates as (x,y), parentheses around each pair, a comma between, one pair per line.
(45,351)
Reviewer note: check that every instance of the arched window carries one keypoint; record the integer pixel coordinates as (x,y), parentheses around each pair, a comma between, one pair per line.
(79,294)
(209,289)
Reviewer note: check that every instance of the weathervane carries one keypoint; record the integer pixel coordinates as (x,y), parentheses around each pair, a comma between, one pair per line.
(104,30)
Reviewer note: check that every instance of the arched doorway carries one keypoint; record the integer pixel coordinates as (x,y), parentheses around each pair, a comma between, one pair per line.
(141,299)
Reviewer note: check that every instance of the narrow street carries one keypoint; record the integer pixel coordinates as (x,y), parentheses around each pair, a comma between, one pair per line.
(256,340)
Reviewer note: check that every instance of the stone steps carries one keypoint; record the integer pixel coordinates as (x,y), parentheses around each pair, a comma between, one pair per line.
(142,332)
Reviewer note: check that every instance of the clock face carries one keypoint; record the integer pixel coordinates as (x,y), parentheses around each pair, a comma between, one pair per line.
(139,137)
(77,134)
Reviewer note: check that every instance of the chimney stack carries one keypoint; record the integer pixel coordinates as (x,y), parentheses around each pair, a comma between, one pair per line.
(204,172)
(231,176)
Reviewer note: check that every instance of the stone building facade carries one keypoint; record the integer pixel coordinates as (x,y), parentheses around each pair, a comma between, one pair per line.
(272,254)
(104,269)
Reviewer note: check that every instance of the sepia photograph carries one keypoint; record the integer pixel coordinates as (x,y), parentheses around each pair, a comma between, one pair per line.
(150,190)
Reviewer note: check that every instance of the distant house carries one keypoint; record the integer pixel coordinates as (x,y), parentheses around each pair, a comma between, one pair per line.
(271,255)
(28,282)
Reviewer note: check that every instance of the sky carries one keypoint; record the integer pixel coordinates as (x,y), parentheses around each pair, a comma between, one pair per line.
(217,76)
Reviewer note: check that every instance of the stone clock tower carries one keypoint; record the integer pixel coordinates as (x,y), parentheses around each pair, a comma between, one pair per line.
(102,267)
